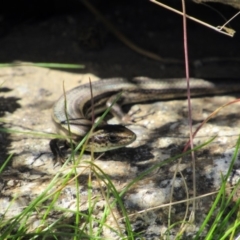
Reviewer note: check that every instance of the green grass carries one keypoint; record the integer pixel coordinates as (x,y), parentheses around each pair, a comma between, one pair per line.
(222,221)
(225,222)
(45,65)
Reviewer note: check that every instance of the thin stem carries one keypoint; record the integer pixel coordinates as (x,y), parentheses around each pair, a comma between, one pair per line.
(189,98)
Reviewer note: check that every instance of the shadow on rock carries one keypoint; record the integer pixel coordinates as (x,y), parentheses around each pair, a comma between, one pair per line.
(7,105)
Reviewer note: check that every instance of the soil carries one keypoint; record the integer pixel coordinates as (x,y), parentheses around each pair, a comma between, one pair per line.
(67,32)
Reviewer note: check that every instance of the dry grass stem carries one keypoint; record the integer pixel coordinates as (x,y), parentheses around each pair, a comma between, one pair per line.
(226,31)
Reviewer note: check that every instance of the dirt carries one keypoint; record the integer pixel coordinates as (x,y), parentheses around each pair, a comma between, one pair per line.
(69,33)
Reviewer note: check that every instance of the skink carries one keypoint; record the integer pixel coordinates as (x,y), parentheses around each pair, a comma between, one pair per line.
(78,105)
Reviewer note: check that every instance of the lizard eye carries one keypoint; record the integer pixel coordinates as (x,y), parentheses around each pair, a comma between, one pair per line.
(113,139)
